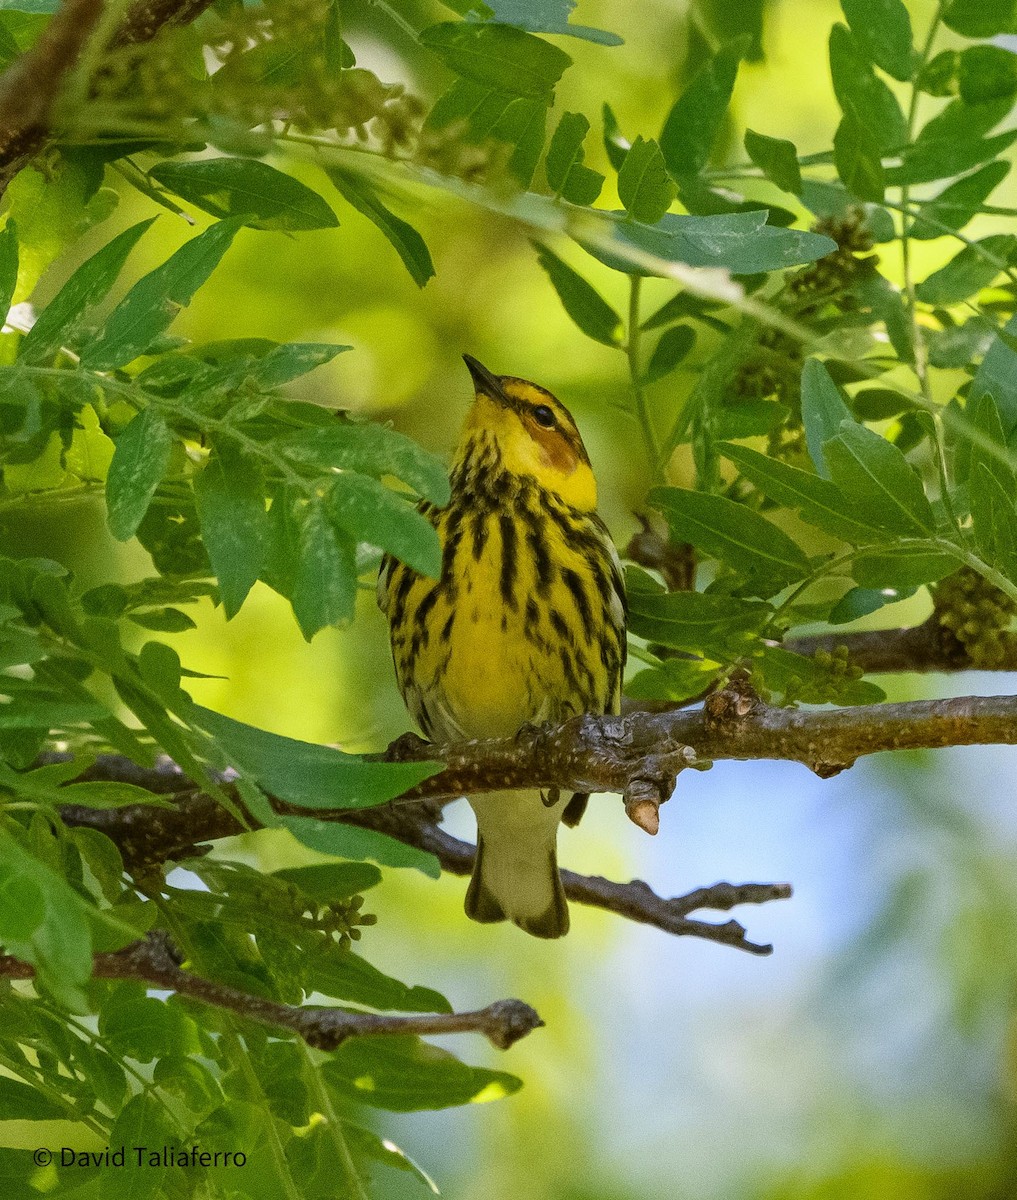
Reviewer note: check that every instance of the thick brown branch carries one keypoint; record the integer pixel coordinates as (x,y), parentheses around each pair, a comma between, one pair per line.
(30,86)
(153,962)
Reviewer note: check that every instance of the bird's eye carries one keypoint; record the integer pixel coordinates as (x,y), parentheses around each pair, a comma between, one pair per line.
(544,416)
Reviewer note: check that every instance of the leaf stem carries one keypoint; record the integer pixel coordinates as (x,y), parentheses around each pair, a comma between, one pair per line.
(352,1185)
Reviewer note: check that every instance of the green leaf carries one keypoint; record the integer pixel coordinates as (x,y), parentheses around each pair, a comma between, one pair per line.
(230,500)
(777,158)
(547,16)
(856,155)
(735,534)
(695,120)
(143,1121)
(862,95)
(19,1102)
(670,350)
(902,567)
(741,242)
(957,204)
(817,501)
(967,272)
(878,481)
(406,241)
(583,303)
(616,145)
(823,411)
(795,678)
(882,29)
(8,266)
(90,284)
(939,75)
(860,602)
(331,883)
(346,976)
(980,18)
(676,679)
(371,512)
(325,582)
(43,922)
(566,175)
(373,450)
(644,186)
(367,1143)
(307,774)
(265,198)
(943,157)
(718,627)
(997,375)
(139,462)
(260,360)
(490,113)
(987,73)
(151,305)
(995,520)
(498,56)
(404,1074)
(350,841)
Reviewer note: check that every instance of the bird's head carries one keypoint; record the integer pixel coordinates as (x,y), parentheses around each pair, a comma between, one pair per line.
(533,434)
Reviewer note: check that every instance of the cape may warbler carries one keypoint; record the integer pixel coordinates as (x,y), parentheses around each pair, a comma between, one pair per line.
(525,625)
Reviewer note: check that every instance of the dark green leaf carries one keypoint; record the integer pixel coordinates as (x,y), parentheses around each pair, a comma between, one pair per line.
(957,204)
(616,145)
(695,120)
(404,1074)
(307,774)
(548,16)
(735,534)
(902,567)
(331,883)
(246,188)
(583,303)
(19,1102)
(882,29)
(943,157)
(371,512)
(817,500)
(860,602)
(150,306)
(230,499)
(143,1121)
(987,73)
(877,480)
(998,376)
(670,350)
(325,582)
(981,18)
(406,241)
(862,95)
(879,404)
(498,56)
(349,841)
(719,627)
(741,242)
(8,266)
(939,76)
(749,418)
(823,411)
(346,976)
(995,520)
(974,268)
(136,470)
(857,157)
(777,158)
(644,186)
(566,174)
(88,286)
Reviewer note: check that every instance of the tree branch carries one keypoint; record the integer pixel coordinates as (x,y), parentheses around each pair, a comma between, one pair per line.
(30,86)
(153,961)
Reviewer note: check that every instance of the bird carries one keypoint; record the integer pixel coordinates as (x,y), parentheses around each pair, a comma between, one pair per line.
(524,626)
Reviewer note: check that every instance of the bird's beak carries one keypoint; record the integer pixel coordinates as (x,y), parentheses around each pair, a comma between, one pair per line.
(484,382)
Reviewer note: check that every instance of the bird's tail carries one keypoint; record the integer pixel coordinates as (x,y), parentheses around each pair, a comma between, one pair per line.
(515,875)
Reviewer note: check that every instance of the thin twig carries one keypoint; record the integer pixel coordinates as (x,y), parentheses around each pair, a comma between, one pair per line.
(154,962)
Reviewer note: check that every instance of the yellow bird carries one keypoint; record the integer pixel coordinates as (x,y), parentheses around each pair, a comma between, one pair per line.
(525,625)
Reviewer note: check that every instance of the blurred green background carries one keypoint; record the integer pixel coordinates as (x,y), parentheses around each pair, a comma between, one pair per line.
(874,1055)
